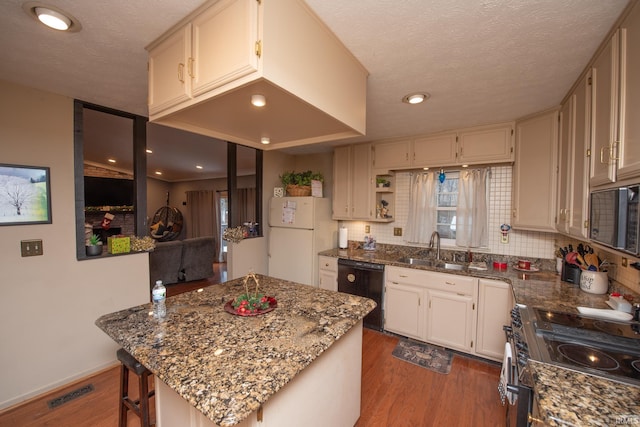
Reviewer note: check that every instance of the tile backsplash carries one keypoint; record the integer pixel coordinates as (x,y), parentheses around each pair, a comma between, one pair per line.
(521,243)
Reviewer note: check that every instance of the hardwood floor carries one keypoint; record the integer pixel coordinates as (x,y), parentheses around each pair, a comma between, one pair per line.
(394,393)
(397,393)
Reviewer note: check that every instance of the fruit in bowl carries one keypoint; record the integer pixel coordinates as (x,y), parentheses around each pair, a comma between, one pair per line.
(251,303)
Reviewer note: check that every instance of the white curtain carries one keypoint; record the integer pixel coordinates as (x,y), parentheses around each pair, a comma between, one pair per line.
(471,214)
(422,207)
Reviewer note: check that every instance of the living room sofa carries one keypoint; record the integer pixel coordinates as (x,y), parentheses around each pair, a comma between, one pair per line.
(182,260)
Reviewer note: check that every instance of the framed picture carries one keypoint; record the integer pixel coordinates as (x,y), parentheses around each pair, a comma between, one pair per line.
(25,195)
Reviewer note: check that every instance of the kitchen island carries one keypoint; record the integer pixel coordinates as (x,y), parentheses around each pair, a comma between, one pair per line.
(300,363)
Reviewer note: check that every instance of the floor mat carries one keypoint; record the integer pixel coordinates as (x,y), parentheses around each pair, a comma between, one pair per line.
(424,355)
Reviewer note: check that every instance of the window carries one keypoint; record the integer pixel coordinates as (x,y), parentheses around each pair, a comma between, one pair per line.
(446,204)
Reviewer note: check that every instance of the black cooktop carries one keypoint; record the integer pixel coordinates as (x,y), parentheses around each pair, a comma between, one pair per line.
(600,347)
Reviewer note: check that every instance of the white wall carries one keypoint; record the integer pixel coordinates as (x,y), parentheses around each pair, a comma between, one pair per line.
(49,303)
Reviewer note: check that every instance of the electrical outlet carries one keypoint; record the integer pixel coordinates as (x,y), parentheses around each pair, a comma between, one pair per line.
(31,247)
(623,262)
(367,229)
(397,231)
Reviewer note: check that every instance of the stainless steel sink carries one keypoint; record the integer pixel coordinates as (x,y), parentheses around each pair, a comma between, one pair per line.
(432,263)
(450,266)
(419,261)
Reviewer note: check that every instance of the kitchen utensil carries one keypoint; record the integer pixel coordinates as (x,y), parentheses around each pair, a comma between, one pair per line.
(591,259)
(571,258)
(594,282)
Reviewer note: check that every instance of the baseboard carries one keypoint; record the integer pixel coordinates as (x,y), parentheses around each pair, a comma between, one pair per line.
(54,388)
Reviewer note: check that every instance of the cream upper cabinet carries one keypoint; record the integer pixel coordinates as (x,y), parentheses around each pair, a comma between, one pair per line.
(629,143)
(182,66)
(578,191)
(487,144)
(573,171)
(353,188)
(604,124)
(495,301)
(564,165)
(204,71)
(169,80)
(342,183)
(473,146)
(534,173)
(328,273)
(229,28)
(392,155)
(436,150)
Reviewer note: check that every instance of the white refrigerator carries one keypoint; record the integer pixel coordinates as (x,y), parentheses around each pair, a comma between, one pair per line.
(300,227)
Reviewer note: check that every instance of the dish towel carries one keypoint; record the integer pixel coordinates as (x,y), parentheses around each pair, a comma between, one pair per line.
(504,377)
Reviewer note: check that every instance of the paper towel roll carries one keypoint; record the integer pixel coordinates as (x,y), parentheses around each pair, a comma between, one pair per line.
(343,240)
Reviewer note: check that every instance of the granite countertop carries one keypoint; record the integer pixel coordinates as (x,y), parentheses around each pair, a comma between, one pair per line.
(226,365)
(564,397)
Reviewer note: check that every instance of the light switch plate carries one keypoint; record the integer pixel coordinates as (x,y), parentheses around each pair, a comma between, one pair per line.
(31,247)
(397,231)
(367,229)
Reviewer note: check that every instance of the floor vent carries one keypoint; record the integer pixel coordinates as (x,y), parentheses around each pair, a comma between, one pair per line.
(61,400)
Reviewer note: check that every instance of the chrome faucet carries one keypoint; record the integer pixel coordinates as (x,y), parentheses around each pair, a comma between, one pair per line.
(435,234)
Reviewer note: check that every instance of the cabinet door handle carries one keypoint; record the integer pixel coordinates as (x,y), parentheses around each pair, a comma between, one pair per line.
(403,275)
(190,67)
(450,283)
(181,72)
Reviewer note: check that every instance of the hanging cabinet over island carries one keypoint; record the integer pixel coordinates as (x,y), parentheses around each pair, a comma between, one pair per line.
(204,70)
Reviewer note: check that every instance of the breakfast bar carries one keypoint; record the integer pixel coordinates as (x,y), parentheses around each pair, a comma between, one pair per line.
(213,367)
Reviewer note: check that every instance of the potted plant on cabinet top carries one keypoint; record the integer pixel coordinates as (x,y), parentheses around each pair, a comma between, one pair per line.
(298,184)
(94,245)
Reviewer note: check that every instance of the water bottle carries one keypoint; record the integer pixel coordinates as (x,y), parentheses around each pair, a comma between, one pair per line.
(158,296)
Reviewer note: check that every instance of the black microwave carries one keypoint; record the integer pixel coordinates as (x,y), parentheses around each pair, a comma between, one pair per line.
(614,219)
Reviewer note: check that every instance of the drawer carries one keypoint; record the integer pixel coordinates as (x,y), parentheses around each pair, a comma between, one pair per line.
(432,280)
(453,283)
(328,263)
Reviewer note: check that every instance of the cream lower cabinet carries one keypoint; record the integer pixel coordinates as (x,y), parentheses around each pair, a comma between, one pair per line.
(328,273)
(450,319)
(435,307)
(403,309)
(495,301)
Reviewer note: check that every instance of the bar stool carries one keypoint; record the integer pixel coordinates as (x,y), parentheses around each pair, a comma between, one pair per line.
(139,407)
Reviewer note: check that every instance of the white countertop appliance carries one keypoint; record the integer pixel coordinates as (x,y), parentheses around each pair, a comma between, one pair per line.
(300,227)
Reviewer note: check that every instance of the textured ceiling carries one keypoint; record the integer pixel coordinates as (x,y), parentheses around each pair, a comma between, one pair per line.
(482,61)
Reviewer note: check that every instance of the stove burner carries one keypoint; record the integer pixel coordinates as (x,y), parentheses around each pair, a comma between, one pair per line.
(617,329)
(636,365)
(588,356)
(565,319)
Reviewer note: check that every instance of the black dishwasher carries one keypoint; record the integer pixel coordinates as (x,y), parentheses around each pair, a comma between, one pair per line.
(365,279)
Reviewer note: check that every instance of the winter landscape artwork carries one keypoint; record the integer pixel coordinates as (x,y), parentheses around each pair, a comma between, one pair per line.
(25,195)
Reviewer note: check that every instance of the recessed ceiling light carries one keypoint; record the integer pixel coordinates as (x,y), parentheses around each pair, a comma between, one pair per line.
(111,160)
(258,100)
(51,16)
(416,98)
(149,151)
(198,167)
(265,140)
(158,173)
(425,169)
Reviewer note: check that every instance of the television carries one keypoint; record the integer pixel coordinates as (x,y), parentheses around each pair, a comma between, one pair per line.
(100,191)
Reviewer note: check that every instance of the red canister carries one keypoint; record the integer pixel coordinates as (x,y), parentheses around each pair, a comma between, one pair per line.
(499,265)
